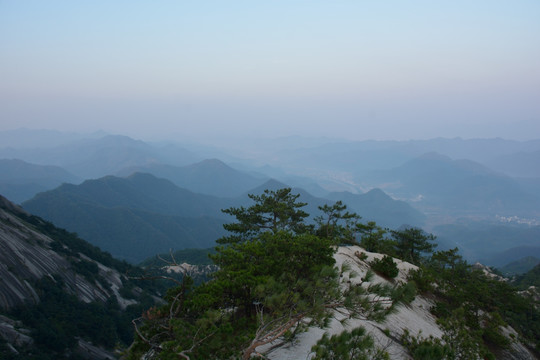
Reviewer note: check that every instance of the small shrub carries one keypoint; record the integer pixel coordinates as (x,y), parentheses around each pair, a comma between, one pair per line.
(361,255)
(385,266)
(353,345)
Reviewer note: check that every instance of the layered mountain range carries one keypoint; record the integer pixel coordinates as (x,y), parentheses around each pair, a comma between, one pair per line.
(140,215)
(65,297)
(451,187)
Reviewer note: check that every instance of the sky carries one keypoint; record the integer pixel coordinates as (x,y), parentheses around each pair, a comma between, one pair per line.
(358,70)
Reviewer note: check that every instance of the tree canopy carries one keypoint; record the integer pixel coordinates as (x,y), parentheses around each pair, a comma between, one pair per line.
(410,243)
(276,277)
(273,211)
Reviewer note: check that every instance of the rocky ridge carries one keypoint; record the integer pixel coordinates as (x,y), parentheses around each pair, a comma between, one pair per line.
(26,255)
(415,317)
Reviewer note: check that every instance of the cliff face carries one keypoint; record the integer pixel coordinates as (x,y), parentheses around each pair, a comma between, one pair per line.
(415,317)
(26,255)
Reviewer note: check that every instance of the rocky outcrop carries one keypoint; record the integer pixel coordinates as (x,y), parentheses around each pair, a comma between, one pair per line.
(13,333)
(415,317)
(26,256)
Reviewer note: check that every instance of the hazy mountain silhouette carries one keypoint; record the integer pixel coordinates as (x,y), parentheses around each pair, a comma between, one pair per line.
(530,185)
(20,181)
(375,205)
(24,138)
(360,157)
(520,266)
(138,191)
(525,255)
(94,158)
(522,164)
(133,217)
(489,242)
(141,215)
(212,177)
(456,186)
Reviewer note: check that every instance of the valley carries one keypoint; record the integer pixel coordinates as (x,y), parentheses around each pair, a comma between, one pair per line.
(167,192)
(139,203)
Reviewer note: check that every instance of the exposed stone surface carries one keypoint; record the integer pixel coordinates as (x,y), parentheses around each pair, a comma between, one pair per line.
(90,352)
(11,331)
(415,317)
(26,256)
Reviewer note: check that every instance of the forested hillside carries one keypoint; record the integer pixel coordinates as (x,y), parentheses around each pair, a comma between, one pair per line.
(62,297)
(141,215)
(379,294)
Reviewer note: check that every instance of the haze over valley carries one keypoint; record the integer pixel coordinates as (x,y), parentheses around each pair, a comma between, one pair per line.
(280,180)
(118,191)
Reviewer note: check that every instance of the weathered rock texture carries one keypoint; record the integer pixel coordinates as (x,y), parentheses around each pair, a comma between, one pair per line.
(414,317)
(26,256)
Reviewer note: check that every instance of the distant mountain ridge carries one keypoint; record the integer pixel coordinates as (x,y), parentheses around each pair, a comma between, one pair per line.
(210,176)
(133,217)
(20,181)
(520,266)
(139,216)
(141,191)
(97,157)
(456,186)
(492,243)
(376,205)
(521,164)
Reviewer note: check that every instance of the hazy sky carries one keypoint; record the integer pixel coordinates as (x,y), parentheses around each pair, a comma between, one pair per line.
(353,69)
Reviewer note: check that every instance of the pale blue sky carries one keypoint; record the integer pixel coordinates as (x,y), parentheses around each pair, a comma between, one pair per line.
(353,69)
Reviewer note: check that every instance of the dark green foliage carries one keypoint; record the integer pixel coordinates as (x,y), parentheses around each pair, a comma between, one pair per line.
(337,224)
(372,238)
(88,269)
(6,353)
(411,243)
(472,308)
(462,340)
(521,266)
(530,278)
(349,345)
(491,331)
(279,266)
(59,319)
(70,244)
(385,266)
(404,293)
(447,260)
(135,217)
(276,277)
(273,211)
(425,348)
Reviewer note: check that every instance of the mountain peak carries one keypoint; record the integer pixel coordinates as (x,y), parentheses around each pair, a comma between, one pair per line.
(271,184)
(215,162)
(433,155)
(376,192)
